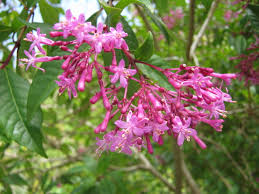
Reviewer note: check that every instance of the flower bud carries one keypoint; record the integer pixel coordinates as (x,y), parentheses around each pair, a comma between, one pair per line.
(157,105)
(199,142)
(95,98)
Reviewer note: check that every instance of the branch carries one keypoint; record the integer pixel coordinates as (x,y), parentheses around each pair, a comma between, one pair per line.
(17,43)
(128,169)
(228,155)
(203,27)
(178,161)
(148,26)
(148,166)
(191,28)
(189,179)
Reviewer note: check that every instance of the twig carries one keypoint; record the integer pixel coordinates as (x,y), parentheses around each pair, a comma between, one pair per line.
(128,169)
(142,15)
(148,166)
(204,26)
(178,161)
(189,179)
(228,155)
(18,42)
(191,28)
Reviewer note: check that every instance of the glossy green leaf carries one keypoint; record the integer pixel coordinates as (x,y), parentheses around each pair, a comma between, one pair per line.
(155,75)
(42,86)
(145,51)
(158,22)
(253,14)
(162,5)
(93,18)
(131,39)
(113,13)
(49,14)
(44,28)
(31,3)
(240,44)
(13,101)
(14,179)
(124,3)
(5,31)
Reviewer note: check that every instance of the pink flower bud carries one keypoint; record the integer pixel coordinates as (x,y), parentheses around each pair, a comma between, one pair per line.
(160,140)
(174,83)
(89,75)
(157,105)
(105,121)
(81,83)
(141,112)
(95,98)
(65,64)
(55,34)
(199,142)
(149,145)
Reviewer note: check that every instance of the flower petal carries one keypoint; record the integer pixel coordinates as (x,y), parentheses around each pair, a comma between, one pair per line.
(121,124)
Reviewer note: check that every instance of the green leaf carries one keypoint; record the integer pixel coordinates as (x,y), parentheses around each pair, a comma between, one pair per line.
(113,13)
(14,179)
(107,57)
(131,39)
(5,31)
(13,101)
(155,75)
(44,28)
(124,3)
(253,14)
(145,51)
(157,21)
(93,18)
(240,44)
(31,3)
(49,14)
(162,5)
(42,86)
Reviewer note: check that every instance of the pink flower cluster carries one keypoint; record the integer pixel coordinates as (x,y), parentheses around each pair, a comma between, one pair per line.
(248,71)
(173,17)
(229,14)
(152,111)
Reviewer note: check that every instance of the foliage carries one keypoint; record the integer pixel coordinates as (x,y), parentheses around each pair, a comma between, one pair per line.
(47,144)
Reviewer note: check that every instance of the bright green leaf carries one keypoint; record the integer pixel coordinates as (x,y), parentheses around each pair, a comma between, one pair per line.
(5,31)
(240,44)
(14,179)
(112,12)
(93,18)
(42,86)
(49,14)
(145,51)
(158,23)
(13,100)
(131,39)
(253,14)
(124,3)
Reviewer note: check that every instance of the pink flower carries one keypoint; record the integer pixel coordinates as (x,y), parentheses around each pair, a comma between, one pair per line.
(228,15)
(156,129)
(32,60)
(122,73)
(118,35)
(67,83)
(132,126)
(183,130)
(37,40)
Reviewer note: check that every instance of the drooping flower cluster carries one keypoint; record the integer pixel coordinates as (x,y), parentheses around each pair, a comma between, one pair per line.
(153,111)
(173,18)
(247,64)
(229,15)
